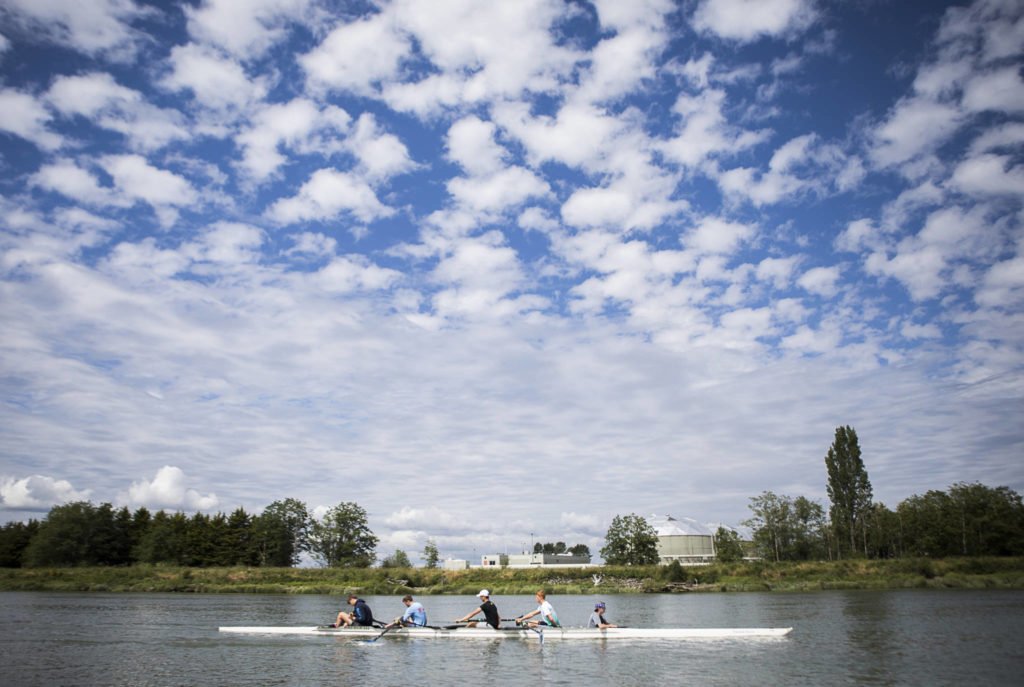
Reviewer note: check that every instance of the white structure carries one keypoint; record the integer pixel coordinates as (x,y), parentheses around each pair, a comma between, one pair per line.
(549,560)
(684,540)
(456,564)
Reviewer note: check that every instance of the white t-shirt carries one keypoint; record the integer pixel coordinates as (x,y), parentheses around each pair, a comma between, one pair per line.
(546,610)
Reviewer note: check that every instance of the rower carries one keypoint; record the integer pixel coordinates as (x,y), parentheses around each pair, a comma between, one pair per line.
(597,617)
(360,615)
(544,610)
(487,607)
(415,615)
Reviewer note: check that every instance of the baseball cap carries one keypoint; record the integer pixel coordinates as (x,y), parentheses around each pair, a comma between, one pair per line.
(599,604)
(483,592)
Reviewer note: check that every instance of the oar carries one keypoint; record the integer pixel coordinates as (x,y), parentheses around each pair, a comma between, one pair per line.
(387,629)
(527,625)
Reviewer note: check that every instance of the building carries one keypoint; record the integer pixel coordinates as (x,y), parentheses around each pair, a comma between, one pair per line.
(684,540)
(549,560)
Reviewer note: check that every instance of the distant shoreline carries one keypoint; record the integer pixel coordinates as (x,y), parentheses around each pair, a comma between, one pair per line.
(918,573)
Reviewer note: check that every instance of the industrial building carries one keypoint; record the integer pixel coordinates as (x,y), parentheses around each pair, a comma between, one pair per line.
(684,540)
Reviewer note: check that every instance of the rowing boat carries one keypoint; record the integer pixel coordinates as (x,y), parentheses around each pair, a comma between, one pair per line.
(524,633)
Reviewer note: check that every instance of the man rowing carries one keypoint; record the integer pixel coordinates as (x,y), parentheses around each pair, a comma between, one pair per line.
(487,607)
(360,615)
(544,610)
(415,615)
(597,618)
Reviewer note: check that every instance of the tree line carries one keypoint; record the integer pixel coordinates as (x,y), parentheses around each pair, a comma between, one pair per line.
(81,533)
(968,519)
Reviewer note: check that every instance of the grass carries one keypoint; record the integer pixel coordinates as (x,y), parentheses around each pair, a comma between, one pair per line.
(953,573)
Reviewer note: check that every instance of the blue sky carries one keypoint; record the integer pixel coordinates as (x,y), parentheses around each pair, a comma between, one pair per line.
(502,270)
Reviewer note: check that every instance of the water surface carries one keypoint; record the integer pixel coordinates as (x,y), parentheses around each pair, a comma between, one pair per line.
(919,637)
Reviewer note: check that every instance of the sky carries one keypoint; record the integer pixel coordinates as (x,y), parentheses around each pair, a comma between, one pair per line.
(500,271)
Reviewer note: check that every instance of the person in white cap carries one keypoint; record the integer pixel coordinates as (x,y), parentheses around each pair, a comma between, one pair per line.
(487,607)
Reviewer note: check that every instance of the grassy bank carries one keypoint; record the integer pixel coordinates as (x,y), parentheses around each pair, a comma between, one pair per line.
(955,573)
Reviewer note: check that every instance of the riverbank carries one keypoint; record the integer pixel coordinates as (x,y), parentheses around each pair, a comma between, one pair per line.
(953,573)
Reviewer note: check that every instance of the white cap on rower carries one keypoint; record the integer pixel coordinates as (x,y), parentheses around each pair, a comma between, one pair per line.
(484,592)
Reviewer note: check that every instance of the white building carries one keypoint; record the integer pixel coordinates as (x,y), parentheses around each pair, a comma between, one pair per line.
(684,540)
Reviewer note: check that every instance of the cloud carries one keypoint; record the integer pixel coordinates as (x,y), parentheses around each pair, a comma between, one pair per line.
(820,281)
(38,493)
(26,117)
(357,56)
(99,28)
(327,194)
(98,97)
(298,126)
(244,28)
(749,20)
(216,81)
(167,490)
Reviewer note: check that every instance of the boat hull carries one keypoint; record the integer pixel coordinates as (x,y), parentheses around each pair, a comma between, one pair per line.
(567,633)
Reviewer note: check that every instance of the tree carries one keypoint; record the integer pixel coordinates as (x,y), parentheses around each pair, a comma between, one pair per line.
(398,559)
(281,533)
(848,489)
(431,555)
(580,550)
(342,538)
(787,529)
(14,539)
(77,533)
(630,541)
(728,547)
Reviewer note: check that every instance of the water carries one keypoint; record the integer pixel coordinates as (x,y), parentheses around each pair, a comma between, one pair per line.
(863,638)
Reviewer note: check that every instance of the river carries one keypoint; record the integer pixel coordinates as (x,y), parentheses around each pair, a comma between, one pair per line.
(914,637)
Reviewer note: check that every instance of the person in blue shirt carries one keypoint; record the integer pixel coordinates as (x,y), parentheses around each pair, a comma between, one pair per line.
(360,615)
(415,615)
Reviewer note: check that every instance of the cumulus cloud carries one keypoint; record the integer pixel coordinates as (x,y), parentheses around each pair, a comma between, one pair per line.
(26,117)
(167,490)
(38,493)
(101,28)
(748,20)
(327,194)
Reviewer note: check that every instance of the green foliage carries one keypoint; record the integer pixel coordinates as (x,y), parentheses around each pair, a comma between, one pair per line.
(398,559)
(14,539)
(431,555)
(786,528)
(342,537)
(727,546)
(849,491)
(968,520)
(281,533)
(630,541)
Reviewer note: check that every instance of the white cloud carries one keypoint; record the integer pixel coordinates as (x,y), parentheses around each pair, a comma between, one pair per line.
(748,20)
(244,28)
(99,27)
(999,91)
(713,235)
(98,97)
(327,194)
(988,175)
(26,117)
(820,281)
(66,177)
(915,126)
(38,493)
(298,125)
(357,56)
(136,178)
(167,490)
(381,154)
(217,82)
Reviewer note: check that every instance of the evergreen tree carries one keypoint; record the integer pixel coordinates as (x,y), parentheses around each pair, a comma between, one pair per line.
(14,539)
(848,489)
(630,540)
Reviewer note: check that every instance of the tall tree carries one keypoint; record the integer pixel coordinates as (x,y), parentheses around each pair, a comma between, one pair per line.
(848,489)
(728,547)
(14,539)
(431,555)
(342,538)
(630,540)
(281,533)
